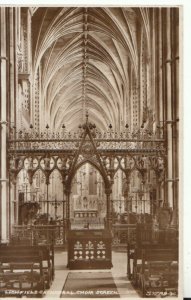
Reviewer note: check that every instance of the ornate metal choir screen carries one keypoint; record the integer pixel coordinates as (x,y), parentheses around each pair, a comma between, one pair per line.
(142,150)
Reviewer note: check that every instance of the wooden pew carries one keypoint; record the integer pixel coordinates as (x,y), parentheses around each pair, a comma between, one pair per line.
(157,271)
(144,235)
(30,243)
(21,274)
(46,253)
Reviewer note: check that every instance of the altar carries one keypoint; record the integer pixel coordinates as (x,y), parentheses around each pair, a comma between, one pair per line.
(85,214)
(89,249)
(85,203)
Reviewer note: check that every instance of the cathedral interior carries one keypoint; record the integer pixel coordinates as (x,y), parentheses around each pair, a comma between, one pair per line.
(89,164)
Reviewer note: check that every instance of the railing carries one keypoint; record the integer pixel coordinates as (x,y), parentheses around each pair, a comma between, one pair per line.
(38,234)
(123,233)
(148,235)
(142,234)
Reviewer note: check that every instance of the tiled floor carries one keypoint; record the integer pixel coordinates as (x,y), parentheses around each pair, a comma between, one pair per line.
(119,272)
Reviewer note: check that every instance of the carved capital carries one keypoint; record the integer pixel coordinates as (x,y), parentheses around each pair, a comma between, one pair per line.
(108,191)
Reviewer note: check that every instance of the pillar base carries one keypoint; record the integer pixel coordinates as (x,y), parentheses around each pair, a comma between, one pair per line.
(4,241)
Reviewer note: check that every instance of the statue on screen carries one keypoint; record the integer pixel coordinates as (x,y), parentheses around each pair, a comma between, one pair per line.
(85,203)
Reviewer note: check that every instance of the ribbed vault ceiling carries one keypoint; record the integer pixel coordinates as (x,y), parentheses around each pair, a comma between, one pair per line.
(86,56)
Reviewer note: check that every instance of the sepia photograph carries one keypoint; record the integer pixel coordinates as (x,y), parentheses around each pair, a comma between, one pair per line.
(89,151)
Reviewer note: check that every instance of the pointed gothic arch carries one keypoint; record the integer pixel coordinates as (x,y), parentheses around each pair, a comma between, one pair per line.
(91,163)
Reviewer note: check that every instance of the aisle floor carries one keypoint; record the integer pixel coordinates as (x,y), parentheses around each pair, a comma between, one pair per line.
(119,273)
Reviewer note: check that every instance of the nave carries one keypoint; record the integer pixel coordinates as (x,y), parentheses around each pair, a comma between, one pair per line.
(89,150)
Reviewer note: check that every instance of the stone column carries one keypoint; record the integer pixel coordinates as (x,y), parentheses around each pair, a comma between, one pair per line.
(3,130)
(176,69)
(12,106)
(175,108)
(159,81)
(153,79)
(176,128)
(168,104)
